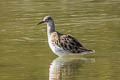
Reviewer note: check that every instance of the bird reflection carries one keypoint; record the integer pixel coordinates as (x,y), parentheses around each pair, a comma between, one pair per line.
(63,68)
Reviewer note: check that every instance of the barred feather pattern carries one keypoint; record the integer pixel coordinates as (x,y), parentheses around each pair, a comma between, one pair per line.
(67,42)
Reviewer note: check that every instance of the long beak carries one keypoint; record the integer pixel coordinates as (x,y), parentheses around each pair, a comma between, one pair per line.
(40,22)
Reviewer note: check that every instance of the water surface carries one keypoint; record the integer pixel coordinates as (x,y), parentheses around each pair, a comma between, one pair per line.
(24,51)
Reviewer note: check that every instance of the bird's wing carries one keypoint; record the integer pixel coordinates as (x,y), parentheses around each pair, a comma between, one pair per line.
(70,43)
(67,42)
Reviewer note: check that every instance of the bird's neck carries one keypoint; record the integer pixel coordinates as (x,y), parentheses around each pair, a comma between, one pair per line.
(50,28)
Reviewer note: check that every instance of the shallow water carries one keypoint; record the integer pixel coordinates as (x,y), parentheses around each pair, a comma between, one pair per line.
(24,51)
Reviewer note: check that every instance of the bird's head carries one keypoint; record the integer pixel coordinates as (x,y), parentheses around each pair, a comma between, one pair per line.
(46,19)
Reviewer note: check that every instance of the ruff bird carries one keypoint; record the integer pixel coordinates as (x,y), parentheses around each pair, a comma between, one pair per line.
(62,44)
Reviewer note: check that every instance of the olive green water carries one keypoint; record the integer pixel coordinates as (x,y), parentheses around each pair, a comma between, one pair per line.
(24,51)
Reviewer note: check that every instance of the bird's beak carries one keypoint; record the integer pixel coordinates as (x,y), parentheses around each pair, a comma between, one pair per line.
(40,22)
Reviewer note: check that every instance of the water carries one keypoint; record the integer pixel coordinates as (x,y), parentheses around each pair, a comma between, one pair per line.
(24,51)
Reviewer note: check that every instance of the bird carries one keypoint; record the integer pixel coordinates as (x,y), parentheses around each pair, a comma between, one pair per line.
(62,44)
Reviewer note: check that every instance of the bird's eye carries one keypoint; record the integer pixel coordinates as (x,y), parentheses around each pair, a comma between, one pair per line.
(46,20)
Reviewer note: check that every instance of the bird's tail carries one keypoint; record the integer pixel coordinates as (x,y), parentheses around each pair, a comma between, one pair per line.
(90,51)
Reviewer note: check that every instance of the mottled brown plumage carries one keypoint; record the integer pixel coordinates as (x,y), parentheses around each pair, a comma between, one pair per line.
(67,42)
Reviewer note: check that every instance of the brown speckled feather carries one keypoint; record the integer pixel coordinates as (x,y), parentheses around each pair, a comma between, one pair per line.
(67,42)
